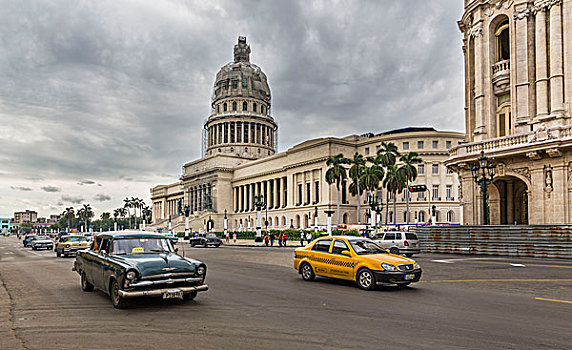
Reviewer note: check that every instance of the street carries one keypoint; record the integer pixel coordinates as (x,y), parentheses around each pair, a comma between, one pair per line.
(257,300)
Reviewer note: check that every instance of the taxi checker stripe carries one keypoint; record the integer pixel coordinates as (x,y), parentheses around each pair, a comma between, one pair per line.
(332,262)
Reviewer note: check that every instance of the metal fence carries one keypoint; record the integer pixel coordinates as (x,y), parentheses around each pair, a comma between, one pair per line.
(538,241)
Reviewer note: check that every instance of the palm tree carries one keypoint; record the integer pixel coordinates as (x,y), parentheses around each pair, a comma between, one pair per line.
(127,205)
(356,169)
(147,213)
(386,156)
(69,215)
(336,173)
(394,182)
(409,160)
(105,216)
(370,178)
(85,213)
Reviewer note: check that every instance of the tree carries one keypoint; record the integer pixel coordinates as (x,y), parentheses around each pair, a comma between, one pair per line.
(410,170)
(69,215)
(147,214)
(356,169)
(371,177)
(85,213)
(394,182)
(336,174)
(386,156)
(105,216)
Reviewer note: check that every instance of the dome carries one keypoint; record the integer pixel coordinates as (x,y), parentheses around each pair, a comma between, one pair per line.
(241,78)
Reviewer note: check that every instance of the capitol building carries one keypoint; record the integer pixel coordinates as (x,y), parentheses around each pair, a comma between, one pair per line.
(241,161)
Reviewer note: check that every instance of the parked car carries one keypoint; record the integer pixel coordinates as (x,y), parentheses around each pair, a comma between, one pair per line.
(138,264)
(28,239)
(42,242)
(354,258)
(205,240)
(69,245)
(405,243)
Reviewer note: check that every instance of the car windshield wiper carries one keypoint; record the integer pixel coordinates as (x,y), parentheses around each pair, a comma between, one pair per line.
(159,251)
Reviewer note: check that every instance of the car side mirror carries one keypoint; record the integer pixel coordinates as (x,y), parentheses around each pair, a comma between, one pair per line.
(346,252)
(103,252)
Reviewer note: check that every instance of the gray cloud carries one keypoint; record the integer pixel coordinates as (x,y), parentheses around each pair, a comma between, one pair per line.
(102,197)
(71,199)
(86,182)
(51,189)
(21,188)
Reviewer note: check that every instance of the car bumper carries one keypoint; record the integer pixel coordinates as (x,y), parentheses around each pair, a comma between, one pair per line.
(397,277)
(73,250)
(43,246)
(161,291)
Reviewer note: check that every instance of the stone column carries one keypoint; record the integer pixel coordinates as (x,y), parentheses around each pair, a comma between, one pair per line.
(541,67)
(235,196)
(284,191)
(477,33)
(276,193)
(556,60)
(509,202)
(521,67)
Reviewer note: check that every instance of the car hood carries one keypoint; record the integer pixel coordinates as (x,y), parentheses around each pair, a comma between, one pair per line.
(388,259)
(157,264)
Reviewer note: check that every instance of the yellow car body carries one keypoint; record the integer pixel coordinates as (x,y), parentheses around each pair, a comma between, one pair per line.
(354,258)
(69,245)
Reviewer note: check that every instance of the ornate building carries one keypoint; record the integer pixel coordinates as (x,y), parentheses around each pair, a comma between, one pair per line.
(518,88)
(240,163)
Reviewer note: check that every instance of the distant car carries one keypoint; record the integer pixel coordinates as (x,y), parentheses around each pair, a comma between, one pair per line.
(397,242)
(69,245)
(205,240)
(354,258)
(172,237)
(131,264)
(42,242)
(28,239)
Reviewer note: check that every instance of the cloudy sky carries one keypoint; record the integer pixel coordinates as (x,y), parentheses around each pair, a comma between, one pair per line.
(102,99)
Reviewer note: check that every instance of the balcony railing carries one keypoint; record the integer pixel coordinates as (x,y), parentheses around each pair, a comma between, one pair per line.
(501,77)
(501,66)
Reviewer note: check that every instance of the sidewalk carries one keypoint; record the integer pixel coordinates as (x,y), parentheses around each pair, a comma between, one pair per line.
(8,339)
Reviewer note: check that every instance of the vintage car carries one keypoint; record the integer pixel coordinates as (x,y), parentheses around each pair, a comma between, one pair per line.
(42,242)
(138,264)
(354,258)
(205,240)
(69,245)
(28,239)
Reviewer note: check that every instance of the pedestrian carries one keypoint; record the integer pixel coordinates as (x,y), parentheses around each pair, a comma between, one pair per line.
(234,237)
(227,236)
(301,239)
(266,239)
(272,238)
(280,239)
(309,237)
(284,237)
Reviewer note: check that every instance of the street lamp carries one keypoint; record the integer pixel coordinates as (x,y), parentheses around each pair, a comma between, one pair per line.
(187,212)
(376,206)
(259,203)
(483,172)
(225,224)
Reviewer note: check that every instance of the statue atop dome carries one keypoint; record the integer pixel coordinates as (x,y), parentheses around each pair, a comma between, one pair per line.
(241,50)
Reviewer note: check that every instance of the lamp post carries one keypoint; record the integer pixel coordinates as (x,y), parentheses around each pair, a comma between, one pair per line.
(483,172)
(329,212)
(225,224)
(259,203)
(316,219)
(187,212)
(376,207)
(170,225)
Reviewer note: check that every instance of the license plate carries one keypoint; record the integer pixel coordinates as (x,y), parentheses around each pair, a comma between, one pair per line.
(173,294)
(409,277)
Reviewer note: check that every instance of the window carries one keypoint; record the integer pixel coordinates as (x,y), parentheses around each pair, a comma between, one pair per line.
(449,171)
(405,146)
(450,216)
(420,169)
(448,144)
(421,196)
(231,149)
(435,144)
(502,42)
(339,247)
(244,106)
(308,186)
(377,148)
(367,151)
(397,235)
(299,201)
(435,195)
(316,192)
(421,216)
(254,107)
(262,109)
(224,107)
(218,108)
(234,106)
(390,236)
(245,149)
(435,169)
(419,144)
(322,245)
(235,84)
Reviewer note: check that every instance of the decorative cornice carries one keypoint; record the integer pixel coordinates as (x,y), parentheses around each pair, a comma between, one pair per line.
(476,30)
(545,5)
(523,13)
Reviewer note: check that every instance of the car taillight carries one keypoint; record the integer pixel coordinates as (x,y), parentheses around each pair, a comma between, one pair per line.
(405,243)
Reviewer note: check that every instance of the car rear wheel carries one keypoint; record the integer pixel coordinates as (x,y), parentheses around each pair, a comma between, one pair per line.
(366,279)
(117,301)
(85,285)
(307,272)
(189,296)
(394,251)
(34,248)
(409,255)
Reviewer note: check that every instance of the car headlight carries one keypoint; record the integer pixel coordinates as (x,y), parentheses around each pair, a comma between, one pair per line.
(67,245)
(388,267)
(131,275)
(417,266)
(201,270)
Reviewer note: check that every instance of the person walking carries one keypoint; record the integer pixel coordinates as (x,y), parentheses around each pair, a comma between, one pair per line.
(266,239)
(272,238)
(227,236)
(284,237)
(280,239)
(301,239)
(309,237)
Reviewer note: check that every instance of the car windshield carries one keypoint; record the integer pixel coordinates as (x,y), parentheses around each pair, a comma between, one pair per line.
(42,238)
(365,247)
(74,239)
(211,235)
(124,246)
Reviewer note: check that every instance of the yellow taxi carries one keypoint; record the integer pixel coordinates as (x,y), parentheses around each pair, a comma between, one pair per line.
(354,258)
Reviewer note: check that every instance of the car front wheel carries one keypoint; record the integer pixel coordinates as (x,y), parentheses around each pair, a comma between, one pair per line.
(307,272)
(85,285)
(366,279)
(117,301)
(394,251)
(409,255)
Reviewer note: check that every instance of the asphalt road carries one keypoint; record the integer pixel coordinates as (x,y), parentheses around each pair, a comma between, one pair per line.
(257,301)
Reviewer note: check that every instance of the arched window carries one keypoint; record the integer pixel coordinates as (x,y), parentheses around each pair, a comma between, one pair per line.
(345,219)
(270,221)
(283,221)
(218,108)
(405,216)
(297,221)
(262,109)
(254,107)
(422,216)
(502,41)
(224,107)
(276,222)
(437,216)
(244,106)
(450,216)
(390,216)
(234,106)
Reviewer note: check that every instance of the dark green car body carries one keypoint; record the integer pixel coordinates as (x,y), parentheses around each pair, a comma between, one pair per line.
(156,274)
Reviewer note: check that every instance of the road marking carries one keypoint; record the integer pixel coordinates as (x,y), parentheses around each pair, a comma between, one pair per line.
(517,265)
(555,300)
(502,280)
(444,261)
(474,261)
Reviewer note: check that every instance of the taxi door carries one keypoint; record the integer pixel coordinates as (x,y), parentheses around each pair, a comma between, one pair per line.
(341,266)
(320,257)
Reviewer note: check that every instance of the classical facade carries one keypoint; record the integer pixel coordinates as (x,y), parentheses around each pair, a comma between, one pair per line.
(241,163)
(518,88)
